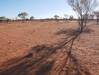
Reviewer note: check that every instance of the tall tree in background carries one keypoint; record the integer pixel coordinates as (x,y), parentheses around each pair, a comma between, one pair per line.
(56,17)
(97,16)
(32,18)
(71,18)
(23,15)
(91,16)
(3,18)
(65,17)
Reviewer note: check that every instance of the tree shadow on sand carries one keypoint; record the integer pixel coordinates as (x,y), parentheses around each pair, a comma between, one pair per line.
(35,61)
(26,64)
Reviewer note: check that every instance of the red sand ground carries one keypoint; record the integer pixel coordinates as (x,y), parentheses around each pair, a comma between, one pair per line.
(17,38)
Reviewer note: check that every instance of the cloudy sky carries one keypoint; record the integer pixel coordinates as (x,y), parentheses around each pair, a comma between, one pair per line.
(36,8)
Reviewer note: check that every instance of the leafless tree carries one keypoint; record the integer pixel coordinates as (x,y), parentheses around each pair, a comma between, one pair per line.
(82,7)
(97,16)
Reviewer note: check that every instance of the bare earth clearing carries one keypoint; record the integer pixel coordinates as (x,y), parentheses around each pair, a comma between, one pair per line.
(28,49)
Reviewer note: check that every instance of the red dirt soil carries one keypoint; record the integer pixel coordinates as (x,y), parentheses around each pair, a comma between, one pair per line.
(17,39)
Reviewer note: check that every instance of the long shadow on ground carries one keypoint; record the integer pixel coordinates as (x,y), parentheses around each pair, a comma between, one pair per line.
(35,61)
(26,65)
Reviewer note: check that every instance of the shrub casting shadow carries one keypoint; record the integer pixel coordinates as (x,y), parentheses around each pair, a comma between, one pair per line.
(27,64)
(34,62)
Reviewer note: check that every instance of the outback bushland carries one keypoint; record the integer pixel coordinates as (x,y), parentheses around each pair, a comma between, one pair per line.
(52,46)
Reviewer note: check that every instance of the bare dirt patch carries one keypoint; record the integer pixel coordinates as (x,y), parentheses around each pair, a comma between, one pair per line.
(30,49)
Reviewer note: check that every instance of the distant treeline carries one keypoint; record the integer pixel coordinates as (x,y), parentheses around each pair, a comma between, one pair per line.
(21,20)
